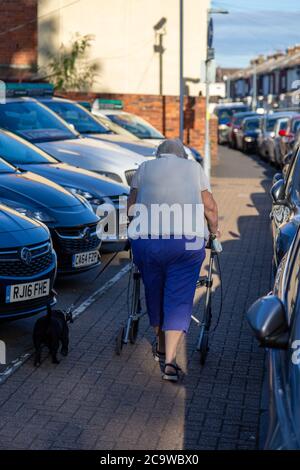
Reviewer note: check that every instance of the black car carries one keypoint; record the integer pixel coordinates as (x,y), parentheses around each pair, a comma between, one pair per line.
(224,113)
(70,219)
(285,213)
(235,124)
(97,189)
(275,321)
(27,266)
(247,133)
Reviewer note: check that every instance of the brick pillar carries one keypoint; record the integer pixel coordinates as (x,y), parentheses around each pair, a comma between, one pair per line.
(18,38)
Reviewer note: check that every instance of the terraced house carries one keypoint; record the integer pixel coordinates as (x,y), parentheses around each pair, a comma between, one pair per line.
(275,76)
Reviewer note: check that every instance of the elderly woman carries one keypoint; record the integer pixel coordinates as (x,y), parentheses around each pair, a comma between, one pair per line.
(170,262)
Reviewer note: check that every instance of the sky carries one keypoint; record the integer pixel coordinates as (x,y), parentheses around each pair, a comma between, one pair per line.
(254,27)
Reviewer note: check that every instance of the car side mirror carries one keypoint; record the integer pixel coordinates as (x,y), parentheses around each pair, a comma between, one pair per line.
(277,192)
(277,177)
(267,319)
(288,157)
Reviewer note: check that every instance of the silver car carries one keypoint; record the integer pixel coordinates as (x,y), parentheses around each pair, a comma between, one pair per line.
(265,140)
(89,126)
(139,128)
(39,125)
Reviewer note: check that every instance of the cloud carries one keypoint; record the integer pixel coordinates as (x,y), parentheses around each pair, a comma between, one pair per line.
(240,36)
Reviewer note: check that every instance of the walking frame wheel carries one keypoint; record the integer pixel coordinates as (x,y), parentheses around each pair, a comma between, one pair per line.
(120,341)
(203,348)
(134,329)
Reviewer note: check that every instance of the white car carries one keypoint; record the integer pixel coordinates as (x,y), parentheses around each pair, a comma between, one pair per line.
(36,123)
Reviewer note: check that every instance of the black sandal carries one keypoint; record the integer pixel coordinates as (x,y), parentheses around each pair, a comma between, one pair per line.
(172,376)
(158,356)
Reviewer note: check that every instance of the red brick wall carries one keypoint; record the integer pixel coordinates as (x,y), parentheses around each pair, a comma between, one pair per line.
(18,36)
(163,113)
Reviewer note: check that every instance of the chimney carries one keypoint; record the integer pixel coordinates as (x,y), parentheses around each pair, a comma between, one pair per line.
(293,49)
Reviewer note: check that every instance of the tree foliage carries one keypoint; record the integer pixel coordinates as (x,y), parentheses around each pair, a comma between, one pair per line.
(71,69)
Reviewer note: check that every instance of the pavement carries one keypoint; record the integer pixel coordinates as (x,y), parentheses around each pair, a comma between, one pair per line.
(96,400)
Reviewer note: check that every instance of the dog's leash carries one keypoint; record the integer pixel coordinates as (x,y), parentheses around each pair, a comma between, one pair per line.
(73,306)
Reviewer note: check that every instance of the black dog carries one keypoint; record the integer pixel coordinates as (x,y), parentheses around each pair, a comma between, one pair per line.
(50,331)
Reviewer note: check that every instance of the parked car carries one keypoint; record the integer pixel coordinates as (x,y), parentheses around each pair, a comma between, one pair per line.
(113,127)
(69,218)
(85,104)
(224,113)
(27,266)
(234,125)
(247,134)
(139,128)
(89,126)
(275,321)
(132,123)
(273,144)
(39,125)
(288,136)
(269,131)
(97,189)
(285,213)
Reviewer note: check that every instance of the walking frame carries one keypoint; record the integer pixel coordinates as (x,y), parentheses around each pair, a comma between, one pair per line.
(128,332)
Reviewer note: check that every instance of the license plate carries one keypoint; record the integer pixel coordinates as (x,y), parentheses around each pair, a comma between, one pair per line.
(85,259)
(27,291)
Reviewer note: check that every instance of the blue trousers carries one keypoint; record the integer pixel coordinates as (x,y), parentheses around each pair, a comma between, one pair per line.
(169,273)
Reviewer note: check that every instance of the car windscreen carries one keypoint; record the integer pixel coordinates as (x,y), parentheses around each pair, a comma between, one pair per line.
(33,121)
(296,126)
(252,125)
(136,125)
(20,152)
(283,125)
(81,119)
(115,128)
(6,168)
(226,113)
(270,124)
(238,118)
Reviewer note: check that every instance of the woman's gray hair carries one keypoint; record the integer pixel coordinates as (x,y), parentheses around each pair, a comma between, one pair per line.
(171,146)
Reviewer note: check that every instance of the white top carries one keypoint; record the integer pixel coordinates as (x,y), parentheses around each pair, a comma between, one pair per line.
(170,180)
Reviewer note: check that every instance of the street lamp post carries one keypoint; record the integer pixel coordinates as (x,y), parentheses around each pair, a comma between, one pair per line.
(209,57)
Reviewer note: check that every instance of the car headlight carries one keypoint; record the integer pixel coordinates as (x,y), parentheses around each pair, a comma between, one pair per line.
(91,198)
(112,176)
(39,215)
(249,139)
